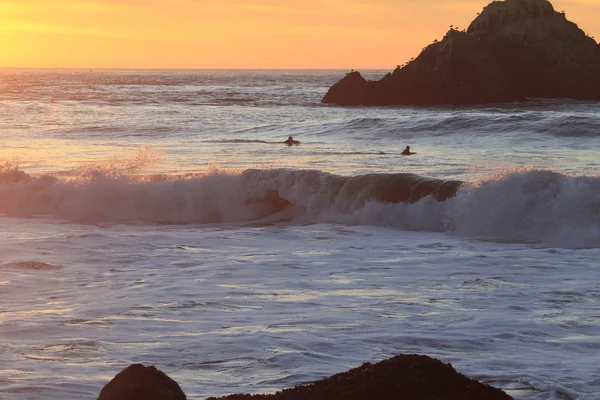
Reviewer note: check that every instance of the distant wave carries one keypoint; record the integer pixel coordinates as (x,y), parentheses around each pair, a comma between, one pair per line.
(529,205)
(30,265)
(575,126)
(236,100)
(565,121)
(280,142)
(240,141)
(356,153)
(367,122)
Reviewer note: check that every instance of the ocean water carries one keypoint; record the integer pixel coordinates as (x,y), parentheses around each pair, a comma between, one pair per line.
(157,217)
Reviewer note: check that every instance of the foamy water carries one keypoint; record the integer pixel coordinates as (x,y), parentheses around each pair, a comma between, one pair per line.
(156,217)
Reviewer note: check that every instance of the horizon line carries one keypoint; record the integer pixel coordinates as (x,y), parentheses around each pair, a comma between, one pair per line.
(192,69)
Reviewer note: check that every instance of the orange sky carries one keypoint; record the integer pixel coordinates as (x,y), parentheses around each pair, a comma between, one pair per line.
(343,34)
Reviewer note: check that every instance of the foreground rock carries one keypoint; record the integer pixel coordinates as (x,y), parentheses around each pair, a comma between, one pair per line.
(406,377)
(138,382)
(514,50)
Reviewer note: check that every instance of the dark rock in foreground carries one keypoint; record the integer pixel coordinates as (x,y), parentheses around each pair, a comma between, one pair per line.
(514,50)
(405,377)
(138,382)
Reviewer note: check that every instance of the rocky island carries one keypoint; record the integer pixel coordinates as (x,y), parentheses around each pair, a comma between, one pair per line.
(513,51)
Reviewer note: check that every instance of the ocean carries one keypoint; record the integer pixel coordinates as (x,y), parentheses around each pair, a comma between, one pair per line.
(157,217)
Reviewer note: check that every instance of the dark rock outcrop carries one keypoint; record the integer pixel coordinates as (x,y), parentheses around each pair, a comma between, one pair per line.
(138,382)
(406,377)
(514,50)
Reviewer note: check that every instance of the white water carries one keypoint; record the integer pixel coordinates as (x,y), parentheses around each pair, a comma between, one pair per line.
(119,255)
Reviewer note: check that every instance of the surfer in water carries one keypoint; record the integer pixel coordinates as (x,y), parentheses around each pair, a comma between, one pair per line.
(407,152)
(290,141)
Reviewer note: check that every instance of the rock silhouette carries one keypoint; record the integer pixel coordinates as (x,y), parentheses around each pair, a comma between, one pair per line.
(513,51)
(138,382)
(407,377)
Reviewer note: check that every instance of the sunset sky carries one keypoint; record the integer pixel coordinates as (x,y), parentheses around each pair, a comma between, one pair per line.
(344,34)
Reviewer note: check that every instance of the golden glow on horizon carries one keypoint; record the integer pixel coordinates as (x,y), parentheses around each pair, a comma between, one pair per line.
(300,34)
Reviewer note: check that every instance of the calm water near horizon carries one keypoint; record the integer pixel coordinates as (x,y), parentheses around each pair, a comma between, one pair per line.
(157,217)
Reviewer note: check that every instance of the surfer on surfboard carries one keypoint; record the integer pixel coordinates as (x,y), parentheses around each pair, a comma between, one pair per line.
(290,141)
(406,151)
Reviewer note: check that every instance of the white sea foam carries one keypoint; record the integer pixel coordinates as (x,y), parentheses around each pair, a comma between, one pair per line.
(532,205)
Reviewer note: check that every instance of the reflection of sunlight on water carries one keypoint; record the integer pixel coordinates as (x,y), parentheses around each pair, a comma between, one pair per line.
(72,158)
(310,253)
(32,313)
(287,327)
(339,281)
(15,372)
(300,296)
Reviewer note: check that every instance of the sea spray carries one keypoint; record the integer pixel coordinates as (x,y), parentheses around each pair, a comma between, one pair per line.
(530,204)
(129,166)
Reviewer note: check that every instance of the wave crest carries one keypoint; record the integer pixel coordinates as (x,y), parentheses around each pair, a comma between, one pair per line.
(527,204)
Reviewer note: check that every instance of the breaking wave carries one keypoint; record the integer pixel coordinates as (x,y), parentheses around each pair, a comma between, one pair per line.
(519,205)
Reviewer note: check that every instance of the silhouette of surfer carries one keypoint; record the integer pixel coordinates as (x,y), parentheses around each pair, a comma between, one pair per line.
(407,152)
(290,141)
